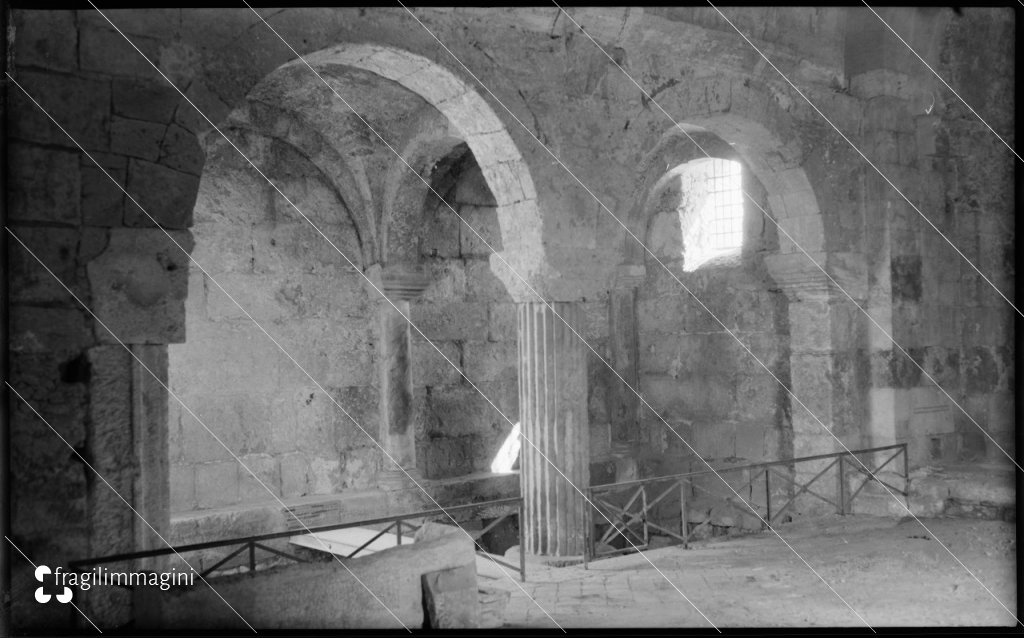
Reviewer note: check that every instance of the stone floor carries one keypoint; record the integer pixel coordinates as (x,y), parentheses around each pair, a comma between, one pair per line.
(889,570)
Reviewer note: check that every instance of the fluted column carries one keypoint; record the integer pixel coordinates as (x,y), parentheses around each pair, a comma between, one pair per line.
(553,415)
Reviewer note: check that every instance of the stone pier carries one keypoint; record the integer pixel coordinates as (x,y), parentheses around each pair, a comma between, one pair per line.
(553,412)
(396,389)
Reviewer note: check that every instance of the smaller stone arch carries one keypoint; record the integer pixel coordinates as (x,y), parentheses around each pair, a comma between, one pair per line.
(747,115)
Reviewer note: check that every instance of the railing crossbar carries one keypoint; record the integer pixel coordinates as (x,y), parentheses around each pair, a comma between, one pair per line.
(871,477)
(375,537)
(479,533)
(280,553)
(817,457)
(238,551)
(113,558)
(804,488)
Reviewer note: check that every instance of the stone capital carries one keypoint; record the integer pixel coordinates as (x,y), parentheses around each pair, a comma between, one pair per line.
(402,284)
(801,278)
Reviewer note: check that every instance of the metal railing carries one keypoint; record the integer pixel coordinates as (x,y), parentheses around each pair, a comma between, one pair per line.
(396,523)
(634,506)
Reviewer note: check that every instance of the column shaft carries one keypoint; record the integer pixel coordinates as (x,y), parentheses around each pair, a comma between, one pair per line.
(553,413)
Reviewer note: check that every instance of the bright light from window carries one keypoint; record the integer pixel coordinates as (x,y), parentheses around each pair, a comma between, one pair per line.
(719,227)
(507,454)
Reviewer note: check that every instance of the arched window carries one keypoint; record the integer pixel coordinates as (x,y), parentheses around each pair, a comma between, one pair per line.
(711,216)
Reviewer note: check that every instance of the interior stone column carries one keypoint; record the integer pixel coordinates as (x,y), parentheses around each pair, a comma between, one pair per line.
(397,434)
(553,414)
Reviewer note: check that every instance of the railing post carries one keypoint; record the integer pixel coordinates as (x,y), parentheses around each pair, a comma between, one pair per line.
(643,515)
(906,476)
(522,546)
(398,531)
(684,526)
(841,488)
(588,532)
(768,497)
(252,558)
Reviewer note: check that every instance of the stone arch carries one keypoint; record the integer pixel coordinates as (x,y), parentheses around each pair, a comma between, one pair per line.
(472,119)
(752,118)
(755,119)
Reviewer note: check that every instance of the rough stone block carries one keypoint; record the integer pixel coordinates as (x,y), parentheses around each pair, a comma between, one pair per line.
(448,281)
(482,284)
(183,487)
(139,285)
(106,51)
(144,100)
(484,221)
(430,368)
(167,195)
(451,321)
(81,106)
(488,361)
(359,468)
(206,100)
(450,598)
(316,595)
(44,184)
(295,471)
(102,200)
(502,322)
(136,138)
(56,249)
(45,39)
(267,470)
(181,151)
(439,237)
(62,331)
(110,449)
(197,444)
(217,483)
(362,403)
(750,442)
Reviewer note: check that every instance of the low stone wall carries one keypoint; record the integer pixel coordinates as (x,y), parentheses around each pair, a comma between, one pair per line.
(312,595)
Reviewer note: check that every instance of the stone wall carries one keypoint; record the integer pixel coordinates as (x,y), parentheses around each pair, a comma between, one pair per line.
(467,314)
(255,249)
(570,96)
(704,384)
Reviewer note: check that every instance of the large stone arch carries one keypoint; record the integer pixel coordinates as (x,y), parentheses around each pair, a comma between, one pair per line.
(501,163)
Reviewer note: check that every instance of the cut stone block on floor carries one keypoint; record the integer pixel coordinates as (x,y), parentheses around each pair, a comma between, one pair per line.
(450,598)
